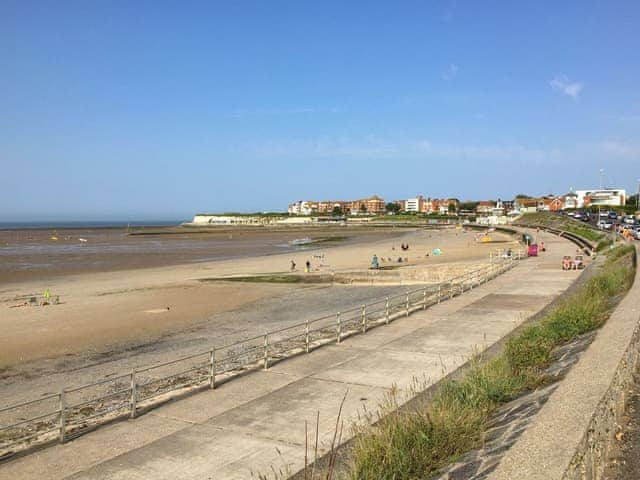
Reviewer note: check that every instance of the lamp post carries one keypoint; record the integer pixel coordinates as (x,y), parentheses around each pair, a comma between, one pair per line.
(638,196)
(599,211)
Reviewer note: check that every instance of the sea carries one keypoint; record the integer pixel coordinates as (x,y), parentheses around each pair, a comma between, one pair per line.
(81,224)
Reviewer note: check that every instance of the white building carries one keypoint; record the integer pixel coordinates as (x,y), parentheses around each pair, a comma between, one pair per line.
(213,219)
(413,204)
(300,208)
(609,197)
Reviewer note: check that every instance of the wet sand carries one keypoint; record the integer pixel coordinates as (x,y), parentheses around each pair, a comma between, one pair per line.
(43,254)
(101,311)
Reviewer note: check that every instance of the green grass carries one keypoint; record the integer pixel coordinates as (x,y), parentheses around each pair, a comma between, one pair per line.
(584,232)
(604,244)
(561,222)
(411,445)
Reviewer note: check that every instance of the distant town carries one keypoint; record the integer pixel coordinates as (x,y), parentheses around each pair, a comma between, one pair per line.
(375,207)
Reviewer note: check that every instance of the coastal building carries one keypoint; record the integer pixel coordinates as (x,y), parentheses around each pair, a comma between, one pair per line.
(415,205)
(609,197)
(373,205)
(301,207)
(529,205)
(570,200)
(485,207)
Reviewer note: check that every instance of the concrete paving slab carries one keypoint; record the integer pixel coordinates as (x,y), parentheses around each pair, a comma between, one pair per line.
(507,301)
(448,342)
(305,365)
(301,401)
(201,452)
(386,368)
(104,444)
(209,403)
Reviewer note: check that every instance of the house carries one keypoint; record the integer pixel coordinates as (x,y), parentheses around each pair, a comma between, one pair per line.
(529,205)
(570,200)
(485,207)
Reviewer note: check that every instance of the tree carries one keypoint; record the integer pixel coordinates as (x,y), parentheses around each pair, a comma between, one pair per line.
(451,208)
(363,208)
(522,195)
(392,208)
(469,206)
(337,211)
(632,200)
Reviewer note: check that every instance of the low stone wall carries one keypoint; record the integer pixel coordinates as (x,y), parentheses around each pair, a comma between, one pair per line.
(571,436)
(408,275)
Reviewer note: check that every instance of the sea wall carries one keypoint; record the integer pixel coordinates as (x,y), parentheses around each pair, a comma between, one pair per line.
(572,435)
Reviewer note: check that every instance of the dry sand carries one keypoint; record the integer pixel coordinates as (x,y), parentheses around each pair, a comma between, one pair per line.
(99,311)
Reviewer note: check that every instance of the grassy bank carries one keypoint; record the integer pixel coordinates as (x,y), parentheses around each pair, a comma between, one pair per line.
(587,233)
(560,222)
(408,445)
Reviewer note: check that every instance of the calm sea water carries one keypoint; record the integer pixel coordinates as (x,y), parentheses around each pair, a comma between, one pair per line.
(87,224)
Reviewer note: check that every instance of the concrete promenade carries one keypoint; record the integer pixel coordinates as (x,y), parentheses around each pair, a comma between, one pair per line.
(572,435)
(256,422)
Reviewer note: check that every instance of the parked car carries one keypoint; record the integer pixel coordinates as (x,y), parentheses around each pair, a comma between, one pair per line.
(605,225)
(629,220)
(612,215)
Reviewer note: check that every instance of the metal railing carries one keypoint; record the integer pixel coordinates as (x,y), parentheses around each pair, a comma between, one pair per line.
(76,410)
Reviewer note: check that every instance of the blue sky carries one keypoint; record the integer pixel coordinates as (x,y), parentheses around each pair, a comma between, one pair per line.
(114,109)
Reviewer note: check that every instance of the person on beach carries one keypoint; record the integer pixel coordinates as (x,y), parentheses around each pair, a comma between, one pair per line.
(307,267)
(293,266)
(374,262)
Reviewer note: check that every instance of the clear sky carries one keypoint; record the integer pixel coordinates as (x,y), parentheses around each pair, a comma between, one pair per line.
(161,109)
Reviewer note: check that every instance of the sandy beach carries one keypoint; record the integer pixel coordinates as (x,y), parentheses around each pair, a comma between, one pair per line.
(103,311)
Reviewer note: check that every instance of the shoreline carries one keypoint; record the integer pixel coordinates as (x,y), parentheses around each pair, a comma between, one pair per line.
(24,252)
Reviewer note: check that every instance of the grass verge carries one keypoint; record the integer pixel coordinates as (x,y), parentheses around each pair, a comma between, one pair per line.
(584,233)
(603,244)
(410,445)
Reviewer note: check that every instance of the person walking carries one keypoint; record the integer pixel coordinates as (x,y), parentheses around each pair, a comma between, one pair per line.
(374,262)
(307,267)
(293,266)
